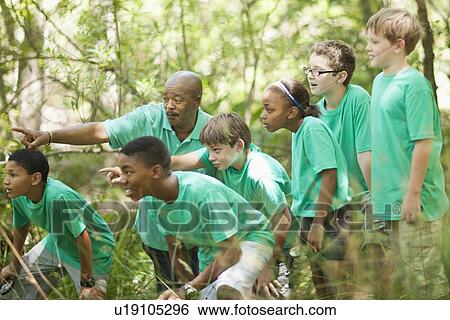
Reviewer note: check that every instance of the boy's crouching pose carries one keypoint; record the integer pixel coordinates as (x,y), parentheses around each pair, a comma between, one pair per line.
(79,242)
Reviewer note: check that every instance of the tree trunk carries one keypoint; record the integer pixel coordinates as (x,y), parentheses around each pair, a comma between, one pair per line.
(427,42)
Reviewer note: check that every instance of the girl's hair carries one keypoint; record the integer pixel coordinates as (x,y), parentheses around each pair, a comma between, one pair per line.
(295,94)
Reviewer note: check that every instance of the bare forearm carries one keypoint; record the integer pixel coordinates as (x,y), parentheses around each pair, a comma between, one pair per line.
(82,134)
(282,223)
(84,247)
(19,236)
(365,163)
(212,271)
(327,190)
(419,165)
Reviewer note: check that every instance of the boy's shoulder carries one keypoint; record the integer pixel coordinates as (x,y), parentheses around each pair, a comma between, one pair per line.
(56,189)
(357,92)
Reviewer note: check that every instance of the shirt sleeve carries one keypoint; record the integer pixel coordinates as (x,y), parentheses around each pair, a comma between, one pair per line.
(420,108)
(133,125)
(320,150)
(271,196)
(361,119)
(19,217)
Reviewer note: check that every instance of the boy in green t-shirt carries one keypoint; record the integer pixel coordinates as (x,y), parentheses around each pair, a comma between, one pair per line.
(233,238)
(408,188)
(256,176)
(79,242)
(320,188)
(344,107)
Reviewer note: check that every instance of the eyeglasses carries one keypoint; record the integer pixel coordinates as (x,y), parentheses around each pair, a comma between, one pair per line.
(316,72)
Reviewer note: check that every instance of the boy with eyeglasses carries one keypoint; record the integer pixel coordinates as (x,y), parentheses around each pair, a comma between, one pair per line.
(344,108)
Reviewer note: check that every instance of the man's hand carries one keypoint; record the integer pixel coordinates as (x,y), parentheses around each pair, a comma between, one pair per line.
(93,293)
(266,283)
(8,273)
(113,175)
(411,207)
(315,237)
(33,139)
(171,295)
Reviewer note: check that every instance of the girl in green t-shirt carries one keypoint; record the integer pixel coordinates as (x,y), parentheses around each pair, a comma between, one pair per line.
(320,188)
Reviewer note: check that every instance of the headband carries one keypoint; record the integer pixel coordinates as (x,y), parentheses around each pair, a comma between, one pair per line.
(290,96)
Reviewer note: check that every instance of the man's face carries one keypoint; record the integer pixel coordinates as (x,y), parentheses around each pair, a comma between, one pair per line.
(181,108)
(322,84)
(379,49)
(137,179)
(17,180)
(275,114)
(222,156)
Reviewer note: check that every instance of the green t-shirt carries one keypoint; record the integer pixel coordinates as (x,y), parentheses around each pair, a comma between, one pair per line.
(351,126)
(314,149)
(403,111)
(206,212)
(151,120)
(64,214)
(262,181)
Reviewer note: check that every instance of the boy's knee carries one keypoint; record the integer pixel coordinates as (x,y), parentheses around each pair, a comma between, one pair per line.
(225,292)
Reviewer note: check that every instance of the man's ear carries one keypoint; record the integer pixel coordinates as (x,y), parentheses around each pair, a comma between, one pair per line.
(157,171)
(36,178)
(198,100)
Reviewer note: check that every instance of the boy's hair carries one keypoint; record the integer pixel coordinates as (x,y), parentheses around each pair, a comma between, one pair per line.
(396,24)
(341,56)
(226,128)
(150,151)
(297,91)
(32,161)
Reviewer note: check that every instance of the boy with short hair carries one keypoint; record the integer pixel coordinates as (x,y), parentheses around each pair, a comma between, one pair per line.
(256,176)
(79,242)
(344,107)
(408,188)
(233,238)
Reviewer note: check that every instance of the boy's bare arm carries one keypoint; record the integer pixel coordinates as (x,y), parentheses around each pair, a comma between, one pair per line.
(84,247)
(19,236)
(230,253)
(186,162)
(365,163)
(419,164)
(327,190)
(82,134)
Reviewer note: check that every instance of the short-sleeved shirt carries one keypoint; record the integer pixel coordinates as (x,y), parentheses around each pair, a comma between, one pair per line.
(350,123)
(206,212)
(262,181)
(314,149)
(403,111)
(65,214)
(151,120)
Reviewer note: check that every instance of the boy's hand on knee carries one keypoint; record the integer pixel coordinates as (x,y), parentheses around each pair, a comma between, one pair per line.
(8,273)
(411,207)
(264,283)
(93,293)
(168,295)
(315,237)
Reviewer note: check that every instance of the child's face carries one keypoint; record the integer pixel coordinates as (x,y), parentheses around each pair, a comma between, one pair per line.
(136,177)
(222,156)
(379,49)
(18,181)
(324,83)
(275,113)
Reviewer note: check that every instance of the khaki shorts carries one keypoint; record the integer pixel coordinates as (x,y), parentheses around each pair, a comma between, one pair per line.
(416,253)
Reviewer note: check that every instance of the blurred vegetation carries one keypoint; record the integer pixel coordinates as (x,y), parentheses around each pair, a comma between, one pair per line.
(72,61)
